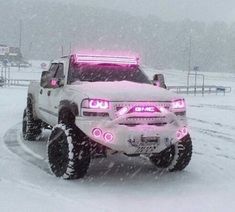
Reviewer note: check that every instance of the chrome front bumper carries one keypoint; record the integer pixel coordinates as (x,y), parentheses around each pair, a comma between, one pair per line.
(137,139)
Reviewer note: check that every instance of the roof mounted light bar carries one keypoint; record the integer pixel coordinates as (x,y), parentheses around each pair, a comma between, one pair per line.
(106,59)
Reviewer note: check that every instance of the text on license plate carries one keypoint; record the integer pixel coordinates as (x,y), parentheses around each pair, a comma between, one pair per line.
(147,149)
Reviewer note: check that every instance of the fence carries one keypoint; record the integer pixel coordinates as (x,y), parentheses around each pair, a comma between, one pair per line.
(206,89)
(15,82)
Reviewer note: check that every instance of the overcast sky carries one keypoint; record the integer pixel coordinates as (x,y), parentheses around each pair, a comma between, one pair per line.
(202,10)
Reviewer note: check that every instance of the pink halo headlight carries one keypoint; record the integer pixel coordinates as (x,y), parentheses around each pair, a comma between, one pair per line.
(98,104)
(108,137)
(97,132)
(181,133)
(178,104)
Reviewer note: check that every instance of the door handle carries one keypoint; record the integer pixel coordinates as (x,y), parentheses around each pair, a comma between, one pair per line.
(41,91)
(48,93)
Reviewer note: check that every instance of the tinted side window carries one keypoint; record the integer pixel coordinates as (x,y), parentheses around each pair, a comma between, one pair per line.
(52,70)
(60,71)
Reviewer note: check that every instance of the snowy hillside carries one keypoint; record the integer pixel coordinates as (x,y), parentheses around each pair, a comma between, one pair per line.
(120,183)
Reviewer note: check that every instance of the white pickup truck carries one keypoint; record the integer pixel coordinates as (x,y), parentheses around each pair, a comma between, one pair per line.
(98,105)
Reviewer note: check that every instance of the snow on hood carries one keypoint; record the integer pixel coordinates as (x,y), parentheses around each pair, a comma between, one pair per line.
(124,91)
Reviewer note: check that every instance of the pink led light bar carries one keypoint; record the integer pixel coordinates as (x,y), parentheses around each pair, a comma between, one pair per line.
(106,59)
(181,133)
(98,104)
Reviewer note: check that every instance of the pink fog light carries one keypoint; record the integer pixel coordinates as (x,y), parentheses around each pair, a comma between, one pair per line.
(108,137)
(97,133)
(181,133)
(185,131)
(98,104)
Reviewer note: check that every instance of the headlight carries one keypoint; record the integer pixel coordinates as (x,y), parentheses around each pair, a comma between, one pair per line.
(178,104)
(95,104)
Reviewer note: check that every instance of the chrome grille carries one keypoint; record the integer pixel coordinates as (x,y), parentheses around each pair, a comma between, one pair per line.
(141,118)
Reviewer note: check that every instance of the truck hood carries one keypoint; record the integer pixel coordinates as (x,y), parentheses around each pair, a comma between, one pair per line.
(124,91)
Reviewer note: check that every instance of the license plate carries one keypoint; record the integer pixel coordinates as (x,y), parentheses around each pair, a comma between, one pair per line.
(148,145)
(149,141)
(146,149)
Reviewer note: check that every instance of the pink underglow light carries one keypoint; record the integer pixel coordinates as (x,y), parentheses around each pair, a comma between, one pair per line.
(108,137)
(106,59)
(178,104)
(181,133)
(53,82)
(97,132)
(98,104)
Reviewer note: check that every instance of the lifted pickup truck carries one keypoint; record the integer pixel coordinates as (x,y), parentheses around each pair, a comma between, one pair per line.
(98,105)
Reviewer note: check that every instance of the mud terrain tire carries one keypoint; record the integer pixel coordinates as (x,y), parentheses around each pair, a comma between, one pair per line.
(31,128)
(68,152)
(176,157)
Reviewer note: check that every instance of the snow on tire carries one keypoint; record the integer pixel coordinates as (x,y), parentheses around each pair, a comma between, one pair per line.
(176,157)
(31,128)
(68,152)
(183,154)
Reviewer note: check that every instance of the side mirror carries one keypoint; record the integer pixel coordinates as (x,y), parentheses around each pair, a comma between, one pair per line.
(56,83)
(48,82)
(158,80)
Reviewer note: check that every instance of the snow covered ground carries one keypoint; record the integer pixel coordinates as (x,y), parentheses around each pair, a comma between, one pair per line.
(120,183)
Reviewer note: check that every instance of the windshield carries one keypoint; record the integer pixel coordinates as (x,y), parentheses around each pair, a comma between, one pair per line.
(105,73)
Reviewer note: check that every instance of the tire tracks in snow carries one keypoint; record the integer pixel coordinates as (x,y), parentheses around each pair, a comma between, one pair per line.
(213,124)
(214,133)
(14,143)
(209,130)
(220,107)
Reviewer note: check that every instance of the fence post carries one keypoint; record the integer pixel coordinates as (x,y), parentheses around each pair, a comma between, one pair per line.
(9,76)
(195,84)
(5,75)
(188,83)
(203,84)
(2,71)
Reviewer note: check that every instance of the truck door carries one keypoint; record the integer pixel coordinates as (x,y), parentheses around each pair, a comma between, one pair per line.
(57,93)
(44,95)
